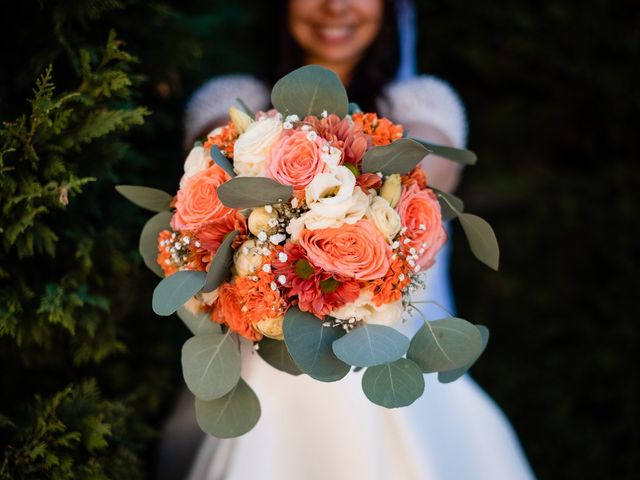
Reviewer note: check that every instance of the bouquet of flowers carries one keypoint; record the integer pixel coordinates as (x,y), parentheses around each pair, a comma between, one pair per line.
(305,230)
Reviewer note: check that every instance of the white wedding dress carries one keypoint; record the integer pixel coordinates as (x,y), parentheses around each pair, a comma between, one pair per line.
(312,430)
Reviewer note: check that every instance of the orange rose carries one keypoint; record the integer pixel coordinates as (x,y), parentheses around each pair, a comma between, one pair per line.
(420,212)
(357,250)
(197,202)
(296,158)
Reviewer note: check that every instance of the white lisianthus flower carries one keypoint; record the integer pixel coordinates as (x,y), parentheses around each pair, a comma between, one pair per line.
(363,309)
(252,147)
(331,156)
(385,218)
(248,258)
(333,199)
(197,160)
(295,227)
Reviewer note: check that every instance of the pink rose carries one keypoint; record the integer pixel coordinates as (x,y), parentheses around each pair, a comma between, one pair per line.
(296,158)
(357,250)
(420,212)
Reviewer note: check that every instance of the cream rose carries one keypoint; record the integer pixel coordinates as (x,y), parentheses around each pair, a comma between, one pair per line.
(240,119)
(247,259)
(197,160)
(333,199)
(385,218)
(392,189)
(364,310)
(270,327)
(253,146)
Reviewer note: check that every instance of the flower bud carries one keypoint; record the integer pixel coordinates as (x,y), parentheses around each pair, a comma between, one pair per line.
(391,190)
(240,119)
(263,220)
(270,327)
(248,258)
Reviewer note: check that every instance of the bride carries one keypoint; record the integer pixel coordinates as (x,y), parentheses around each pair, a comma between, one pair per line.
(313,430)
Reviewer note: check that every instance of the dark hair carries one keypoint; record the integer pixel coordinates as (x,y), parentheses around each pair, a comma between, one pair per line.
(377,68)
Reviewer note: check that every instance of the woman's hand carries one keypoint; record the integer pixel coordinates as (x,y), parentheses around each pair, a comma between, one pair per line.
(442,174)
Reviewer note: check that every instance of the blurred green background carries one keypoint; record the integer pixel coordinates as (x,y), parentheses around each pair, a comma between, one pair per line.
(551,92)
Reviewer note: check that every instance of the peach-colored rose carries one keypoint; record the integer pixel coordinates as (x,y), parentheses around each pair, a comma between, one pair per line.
(296,158)
(420,212)
(357,250)
(197,202)
(212,234)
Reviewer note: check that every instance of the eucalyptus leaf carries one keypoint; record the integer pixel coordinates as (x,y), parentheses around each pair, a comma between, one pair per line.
(222,161)
(245,107)
(230,416)
(251,192)
(445,344)
(199,323)
(452,375)
(400,157)
(310,90)
(458,155)
(211,364)
(220,268)
(174,291)
(146,197)
(371,345)
(309,344)
(148,243)
(393,385)
(481,239)
(354,108)
(275,353)
(450,205)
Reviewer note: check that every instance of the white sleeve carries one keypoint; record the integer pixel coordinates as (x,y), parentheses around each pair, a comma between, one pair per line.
(212,100)
(427,99)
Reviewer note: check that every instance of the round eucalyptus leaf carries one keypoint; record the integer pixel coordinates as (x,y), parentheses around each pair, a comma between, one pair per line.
(148,243)
(199,323)
(275,353)
(146,197)
(452,375)
(231,415)
(310,90)
(211,364)
(174,291)
(400,157)
(370,345)
(393,385)
(220,268)
(251,192)
(309,344)
(445,344)
(482,240)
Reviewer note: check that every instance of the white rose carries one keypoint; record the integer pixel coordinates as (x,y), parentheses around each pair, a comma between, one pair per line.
(334,199)
(253,146)
(363,309)
(386,314)
(197,160)
(247,259)
(385,218)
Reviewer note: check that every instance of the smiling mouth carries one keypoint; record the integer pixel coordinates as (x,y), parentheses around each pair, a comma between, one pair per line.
(335,34)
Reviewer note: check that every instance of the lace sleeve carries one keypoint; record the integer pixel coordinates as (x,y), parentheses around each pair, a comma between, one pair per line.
(213,99)
(429,100)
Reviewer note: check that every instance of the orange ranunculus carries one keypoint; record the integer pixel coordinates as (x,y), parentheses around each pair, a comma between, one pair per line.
(358,251)
(419,211)
(224,137)
(197,202)
(228,310)
(295,159)
(212,234)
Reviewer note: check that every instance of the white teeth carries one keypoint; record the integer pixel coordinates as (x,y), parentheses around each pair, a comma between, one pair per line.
(335,33)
